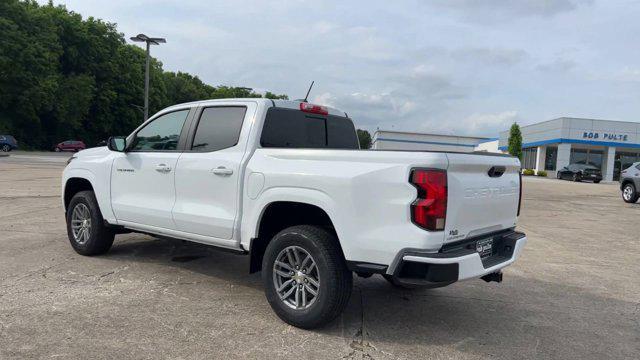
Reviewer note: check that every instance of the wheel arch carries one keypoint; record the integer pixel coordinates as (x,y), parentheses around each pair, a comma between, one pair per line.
(625,182)
(281,214)
(74,185)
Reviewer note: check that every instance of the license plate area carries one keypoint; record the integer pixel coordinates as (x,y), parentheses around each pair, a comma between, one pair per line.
(484,247)
(502,247)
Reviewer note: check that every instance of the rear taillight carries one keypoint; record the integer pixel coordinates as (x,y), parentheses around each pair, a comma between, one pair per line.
(429,210)
(314,109)
(520,196)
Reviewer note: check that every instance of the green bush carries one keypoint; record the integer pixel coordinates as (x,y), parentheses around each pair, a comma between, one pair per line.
(528,172)
(542,173)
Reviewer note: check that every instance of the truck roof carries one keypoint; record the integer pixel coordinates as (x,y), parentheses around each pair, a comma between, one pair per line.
(287,104)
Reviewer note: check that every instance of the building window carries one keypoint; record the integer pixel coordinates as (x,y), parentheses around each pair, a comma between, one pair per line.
(595,158)
(587,157)
(551,158)
(578,156)
(529,158)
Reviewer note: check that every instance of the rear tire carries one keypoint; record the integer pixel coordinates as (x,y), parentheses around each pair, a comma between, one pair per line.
(85,226)
(596,181)
(330,270)
(629,194)
(558,175)
(6,148)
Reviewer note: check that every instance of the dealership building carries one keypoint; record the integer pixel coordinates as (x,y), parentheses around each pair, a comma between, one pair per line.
(548,145)
(554,144)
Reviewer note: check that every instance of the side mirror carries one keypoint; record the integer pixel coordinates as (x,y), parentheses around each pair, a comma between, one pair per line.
(117,143)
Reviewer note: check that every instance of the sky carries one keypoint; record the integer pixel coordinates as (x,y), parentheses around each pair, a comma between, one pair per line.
(464,67)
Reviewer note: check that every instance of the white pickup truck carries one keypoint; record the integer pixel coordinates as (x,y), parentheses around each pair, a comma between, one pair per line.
(286,183)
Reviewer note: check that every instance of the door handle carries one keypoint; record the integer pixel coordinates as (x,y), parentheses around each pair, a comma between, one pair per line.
(221,170)
(163,168)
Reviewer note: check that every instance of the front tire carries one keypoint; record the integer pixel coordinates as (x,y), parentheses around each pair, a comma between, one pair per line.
(576,177)
(305,276)
(85,226)
(6,148)
(629,194)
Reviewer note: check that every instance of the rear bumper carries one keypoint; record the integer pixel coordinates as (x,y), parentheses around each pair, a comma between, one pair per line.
(457,261)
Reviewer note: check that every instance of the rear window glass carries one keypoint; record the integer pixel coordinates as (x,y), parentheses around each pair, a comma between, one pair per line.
(218,128)
(288,128)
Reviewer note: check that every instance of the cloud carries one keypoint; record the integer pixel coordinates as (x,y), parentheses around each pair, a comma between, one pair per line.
(453,66)
(412,95)
(481,10)
(372,110)
(627,74)
(487,123)
(491,56)
(557,65)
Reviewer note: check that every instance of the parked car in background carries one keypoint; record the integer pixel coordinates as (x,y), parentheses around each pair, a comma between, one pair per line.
(70,145)
(579,172)
(8,143)
(630,183)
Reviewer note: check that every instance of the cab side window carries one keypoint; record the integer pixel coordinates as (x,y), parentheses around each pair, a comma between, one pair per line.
(218,128)
(161,134)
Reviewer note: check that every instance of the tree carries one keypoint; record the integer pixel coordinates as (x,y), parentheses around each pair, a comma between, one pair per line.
(515,141)
(364,138)
(64,77)
(270,95)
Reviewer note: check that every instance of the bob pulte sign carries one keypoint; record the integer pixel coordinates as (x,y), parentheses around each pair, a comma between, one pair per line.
(605,136)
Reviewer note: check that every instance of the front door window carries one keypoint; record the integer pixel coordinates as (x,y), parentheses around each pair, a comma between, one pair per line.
(161,134)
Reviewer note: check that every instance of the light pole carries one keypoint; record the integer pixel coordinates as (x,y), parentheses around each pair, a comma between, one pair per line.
(150,41)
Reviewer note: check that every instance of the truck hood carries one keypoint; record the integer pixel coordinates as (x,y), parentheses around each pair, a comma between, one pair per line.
(92,153)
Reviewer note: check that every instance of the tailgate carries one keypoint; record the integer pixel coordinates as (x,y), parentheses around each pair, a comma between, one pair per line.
(480,199)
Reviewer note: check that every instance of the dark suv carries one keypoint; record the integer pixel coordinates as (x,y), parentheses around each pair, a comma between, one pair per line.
(630,183)
(579,172)
(8,143)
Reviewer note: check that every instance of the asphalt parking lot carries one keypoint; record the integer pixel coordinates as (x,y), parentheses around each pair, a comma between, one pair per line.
(574,294)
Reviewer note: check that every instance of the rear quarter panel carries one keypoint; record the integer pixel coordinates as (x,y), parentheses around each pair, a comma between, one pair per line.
(365,193)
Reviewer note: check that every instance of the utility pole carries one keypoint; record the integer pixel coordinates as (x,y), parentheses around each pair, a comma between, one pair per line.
(149,41)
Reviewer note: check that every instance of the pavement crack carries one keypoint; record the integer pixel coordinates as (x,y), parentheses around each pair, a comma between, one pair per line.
(30,197)
(107,274)
(358,343)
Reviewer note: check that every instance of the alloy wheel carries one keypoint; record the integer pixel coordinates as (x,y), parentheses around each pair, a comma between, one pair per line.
(627,193)
(81,223)
(296,278)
